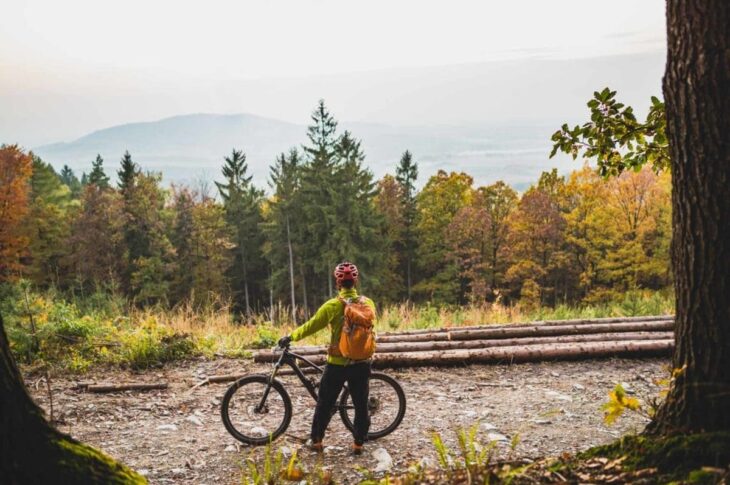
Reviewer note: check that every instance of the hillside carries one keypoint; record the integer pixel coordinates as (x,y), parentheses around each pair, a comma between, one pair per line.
(189,147)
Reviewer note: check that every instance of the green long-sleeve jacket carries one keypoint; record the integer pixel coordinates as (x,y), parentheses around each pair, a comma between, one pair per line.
(330,313)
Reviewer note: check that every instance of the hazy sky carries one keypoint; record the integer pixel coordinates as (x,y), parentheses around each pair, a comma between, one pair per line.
(74,65)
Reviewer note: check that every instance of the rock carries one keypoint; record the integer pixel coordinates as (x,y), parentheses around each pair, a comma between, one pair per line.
(541,421)
(470,414)
(258,430)
(178,471)
(285,450)
(167,427)
(628,388)
(385,461)
(497,437)
(143,471)
(579,387)
(230,448)
(195,420)
(487,426)
(558,396)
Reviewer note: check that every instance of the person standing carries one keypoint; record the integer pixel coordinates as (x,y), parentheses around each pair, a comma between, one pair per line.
(350,317)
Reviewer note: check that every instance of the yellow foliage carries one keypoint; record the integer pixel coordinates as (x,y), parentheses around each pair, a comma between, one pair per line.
(617,403)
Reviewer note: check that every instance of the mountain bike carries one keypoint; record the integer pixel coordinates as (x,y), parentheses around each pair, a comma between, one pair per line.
(257,409)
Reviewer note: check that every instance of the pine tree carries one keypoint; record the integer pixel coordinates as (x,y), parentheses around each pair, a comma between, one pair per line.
(69,179)
(319,184)
(126,174)
(406,175)
(100,179)
(282,221)
(242,206)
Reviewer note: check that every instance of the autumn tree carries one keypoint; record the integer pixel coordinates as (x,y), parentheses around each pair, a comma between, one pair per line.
(48,223)
(469,238)
(440,200)
(97,239)
(499,200)
(697,118)
(537,241)
(16,169)
(388,203)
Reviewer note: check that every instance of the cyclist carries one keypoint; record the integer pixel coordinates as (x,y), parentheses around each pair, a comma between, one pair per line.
(339,369)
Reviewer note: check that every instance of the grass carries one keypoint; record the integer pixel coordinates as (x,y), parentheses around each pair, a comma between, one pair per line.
(76,334)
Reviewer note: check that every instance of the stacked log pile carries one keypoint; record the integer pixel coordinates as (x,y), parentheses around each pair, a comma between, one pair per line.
(512,343)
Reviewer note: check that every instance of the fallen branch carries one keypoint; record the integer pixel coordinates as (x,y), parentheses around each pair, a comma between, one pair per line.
(136,386)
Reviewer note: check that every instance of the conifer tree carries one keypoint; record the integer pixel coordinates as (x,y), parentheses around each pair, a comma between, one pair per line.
(318,187)
(69,179)
(406,175)
(283,220)
(126,173)
(242,206)
(100,179)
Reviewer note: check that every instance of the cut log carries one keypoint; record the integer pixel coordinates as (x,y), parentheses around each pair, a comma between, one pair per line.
(531,331)
(136,386)
(581,321)
(528,353)
(269,356)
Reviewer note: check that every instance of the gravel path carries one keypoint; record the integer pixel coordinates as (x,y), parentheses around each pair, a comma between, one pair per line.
(176,435)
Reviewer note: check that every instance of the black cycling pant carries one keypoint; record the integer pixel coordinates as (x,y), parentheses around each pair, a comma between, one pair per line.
(357,377)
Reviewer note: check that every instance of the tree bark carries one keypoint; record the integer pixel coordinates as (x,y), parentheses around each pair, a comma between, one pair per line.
(291,273)
(32,451)
(269,356)
(697,96)
(528,353)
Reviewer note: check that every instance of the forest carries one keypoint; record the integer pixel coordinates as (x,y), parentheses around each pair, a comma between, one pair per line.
(573,239)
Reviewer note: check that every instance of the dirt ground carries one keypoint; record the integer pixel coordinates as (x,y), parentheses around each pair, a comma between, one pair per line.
(176,435)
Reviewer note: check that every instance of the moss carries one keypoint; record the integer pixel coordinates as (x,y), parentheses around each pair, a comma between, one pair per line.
(80,460)
(675,457)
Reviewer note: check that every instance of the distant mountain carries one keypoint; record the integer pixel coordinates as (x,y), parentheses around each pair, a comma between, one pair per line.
(191,147)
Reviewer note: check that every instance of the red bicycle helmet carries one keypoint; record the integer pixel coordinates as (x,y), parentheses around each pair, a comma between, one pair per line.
(346,271)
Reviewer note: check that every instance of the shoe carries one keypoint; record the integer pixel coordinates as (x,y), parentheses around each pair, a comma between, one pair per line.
(315,446)
(357,449)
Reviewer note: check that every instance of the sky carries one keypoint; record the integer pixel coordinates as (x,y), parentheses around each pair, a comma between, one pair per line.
(70,67)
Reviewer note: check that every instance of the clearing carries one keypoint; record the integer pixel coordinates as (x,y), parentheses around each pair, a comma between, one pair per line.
(176,435)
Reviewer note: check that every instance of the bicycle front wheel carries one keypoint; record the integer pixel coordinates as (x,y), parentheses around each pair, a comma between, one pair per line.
(386,406)
(254,412)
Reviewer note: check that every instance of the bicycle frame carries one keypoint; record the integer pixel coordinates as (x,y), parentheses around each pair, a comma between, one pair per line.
(290,358)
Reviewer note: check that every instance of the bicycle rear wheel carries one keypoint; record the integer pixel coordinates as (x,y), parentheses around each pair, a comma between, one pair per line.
(245,418)
(386,406)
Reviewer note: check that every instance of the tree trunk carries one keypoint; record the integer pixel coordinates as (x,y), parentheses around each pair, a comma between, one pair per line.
(697,95)
(291,273)
(269,356)
(577,321)
(31,451)
(528,353)
(531,331)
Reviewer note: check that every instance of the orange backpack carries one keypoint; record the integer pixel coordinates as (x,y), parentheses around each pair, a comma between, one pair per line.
(357,338)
